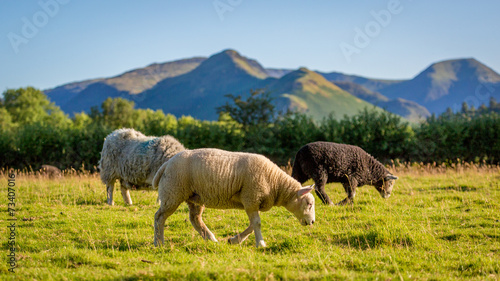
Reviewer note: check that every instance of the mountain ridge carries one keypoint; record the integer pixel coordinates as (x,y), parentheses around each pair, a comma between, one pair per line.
(447,84)
(201,90)
(195,86)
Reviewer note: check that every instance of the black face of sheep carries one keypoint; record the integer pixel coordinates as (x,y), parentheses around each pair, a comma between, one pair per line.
(327,162)
(384,186)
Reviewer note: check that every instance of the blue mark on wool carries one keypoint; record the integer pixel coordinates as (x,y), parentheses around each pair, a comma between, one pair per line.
(144,146)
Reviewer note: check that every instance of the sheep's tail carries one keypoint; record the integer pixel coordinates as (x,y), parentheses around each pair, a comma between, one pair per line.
(158,175)
(297,172)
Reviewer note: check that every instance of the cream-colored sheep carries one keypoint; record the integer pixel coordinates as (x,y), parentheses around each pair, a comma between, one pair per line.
(220,179)
(133,159)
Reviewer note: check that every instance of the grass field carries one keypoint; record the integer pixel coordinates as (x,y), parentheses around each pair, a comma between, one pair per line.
(440,223)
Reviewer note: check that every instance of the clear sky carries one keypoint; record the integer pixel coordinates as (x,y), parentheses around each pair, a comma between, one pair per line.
(47,43)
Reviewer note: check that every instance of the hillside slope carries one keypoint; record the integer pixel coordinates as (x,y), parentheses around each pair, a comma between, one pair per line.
(309,92)
(200,91)
(80,96)
(408,109)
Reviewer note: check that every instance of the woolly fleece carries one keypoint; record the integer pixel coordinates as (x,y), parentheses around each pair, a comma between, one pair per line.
(220,179)
(327,162)
(133,158)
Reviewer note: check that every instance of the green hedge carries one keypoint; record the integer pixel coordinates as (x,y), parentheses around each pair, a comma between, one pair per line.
(76,142)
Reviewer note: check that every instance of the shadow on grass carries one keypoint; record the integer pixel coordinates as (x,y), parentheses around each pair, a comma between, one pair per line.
(467,236)
(374,239)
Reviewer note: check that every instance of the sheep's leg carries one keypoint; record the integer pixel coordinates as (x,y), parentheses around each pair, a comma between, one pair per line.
(240,237)
(320,189)
(110,188)
(255,223)
(350,189)
(124,187)
(160,217)
(126,195)
(195,212)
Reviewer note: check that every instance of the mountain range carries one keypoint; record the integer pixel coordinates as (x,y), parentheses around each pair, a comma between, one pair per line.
(196,86)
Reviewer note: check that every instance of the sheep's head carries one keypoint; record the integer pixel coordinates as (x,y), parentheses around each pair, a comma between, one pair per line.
(303,206)
(385,185)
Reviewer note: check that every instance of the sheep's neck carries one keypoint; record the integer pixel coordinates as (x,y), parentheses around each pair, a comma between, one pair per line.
(286,193)
(378,171)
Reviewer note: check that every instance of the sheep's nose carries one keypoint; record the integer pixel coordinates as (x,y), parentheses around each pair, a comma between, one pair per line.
(312,222)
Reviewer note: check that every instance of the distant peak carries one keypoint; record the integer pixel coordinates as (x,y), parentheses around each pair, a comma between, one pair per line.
(231,52)
(310,80)
(455,69)
(232,59)
(304,71)
(461,61)
(457,60)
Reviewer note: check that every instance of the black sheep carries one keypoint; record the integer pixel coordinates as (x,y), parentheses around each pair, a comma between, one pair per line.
(350,165)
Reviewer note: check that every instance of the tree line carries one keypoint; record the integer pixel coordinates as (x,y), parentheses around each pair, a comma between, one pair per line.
(33,131)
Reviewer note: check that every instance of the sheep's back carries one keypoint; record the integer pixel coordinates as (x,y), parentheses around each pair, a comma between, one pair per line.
(334,159)
(219,177)
(131,156)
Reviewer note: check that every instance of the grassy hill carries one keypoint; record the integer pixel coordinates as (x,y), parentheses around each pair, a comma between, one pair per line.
(309,92)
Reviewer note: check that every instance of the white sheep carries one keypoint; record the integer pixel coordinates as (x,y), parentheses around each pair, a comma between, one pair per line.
(219,179)
(133,159)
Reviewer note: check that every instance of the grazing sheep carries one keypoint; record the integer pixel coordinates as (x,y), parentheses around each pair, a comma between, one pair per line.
(350,165)
(133,158)
(219,179)
(50,171)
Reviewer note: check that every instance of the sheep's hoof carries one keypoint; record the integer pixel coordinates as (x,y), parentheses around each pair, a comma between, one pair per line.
(261,244)
(233,240)
(345,202)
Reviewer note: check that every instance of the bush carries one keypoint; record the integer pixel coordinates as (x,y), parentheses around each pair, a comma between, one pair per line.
(384,135)
(51,137)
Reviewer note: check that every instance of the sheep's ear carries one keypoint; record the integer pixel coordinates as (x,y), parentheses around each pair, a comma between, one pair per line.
(305,190)
(390,177)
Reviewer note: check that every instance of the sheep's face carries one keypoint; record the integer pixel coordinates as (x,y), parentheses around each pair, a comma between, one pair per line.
(304,206)
(385,185)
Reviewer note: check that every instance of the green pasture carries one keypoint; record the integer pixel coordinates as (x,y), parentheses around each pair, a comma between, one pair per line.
(434,227)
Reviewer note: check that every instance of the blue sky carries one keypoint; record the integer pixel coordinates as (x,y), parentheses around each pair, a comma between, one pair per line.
(47,43)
